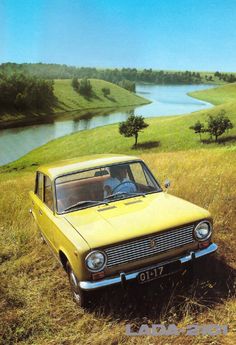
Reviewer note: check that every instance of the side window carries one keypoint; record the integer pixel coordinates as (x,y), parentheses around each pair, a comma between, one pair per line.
(39,185)
(150,181)
(138,174)
(48,195)
(142,178)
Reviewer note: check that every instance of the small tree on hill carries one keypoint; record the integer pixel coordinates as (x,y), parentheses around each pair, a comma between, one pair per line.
(85,87)
(106,91)
(218,125)
(128,85)
(198,128)
(132,126)
(75,84)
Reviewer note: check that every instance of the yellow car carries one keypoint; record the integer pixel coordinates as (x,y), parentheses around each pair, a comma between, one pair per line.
(108,221)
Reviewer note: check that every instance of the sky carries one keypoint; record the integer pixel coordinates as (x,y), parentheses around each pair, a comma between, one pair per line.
(159,34)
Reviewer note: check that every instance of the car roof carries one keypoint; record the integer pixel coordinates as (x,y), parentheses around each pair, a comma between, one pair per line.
(56,169)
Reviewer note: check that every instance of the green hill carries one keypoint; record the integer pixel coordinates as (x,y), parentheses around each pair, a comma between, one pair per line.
(69,100)
(218,95)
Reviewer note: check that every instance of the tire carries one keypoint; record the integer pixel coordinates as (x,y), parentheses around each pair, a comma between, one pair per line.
(80,296)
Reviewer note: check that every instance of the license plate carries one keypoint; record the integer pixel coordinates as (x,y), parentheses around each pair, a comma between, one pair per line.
(157,272)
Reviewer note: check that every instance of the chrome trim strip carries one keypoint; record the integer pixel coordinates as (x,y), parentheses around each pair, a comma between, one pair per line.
(93,285)
(211,249)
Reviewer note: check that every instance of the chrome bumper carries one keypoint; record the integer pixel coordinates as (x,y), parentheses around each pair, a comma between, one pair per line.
(123,277)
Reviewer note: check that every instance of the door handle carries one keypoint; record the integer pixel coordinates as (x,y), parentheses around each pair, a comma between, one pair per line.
(40,212)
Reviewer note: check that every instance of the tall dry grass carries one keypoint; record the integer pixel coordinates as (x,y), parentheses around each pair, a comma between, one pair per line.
(208,179)
(35,301)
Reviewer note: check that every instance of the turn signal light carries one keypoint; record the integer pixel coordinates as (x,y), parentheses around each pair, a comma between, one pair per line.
(204,244)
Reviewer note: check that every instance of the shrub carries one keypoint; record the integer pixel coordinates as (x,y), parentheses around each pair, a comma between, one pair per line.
(218,125)
(106,91)
(198,128)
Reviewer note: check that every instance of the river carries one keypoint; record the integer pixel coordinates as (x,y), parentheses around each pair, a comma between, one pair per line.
(166,100)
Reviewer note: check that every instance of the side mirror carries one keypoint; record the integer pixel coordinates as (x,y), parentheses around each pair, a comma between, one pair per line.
(167,184)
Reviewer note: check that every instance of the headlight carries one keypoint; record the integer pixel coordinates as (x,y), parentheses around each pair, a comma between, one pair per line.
(203,231)
(95,261)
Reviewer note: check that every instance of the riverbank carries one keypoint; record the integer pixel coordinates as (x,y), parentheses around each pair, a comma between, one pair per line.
(69,100)
(217,96)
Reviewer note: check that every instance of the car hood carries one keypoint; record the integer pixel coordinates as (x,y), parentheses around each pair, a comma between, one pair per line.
(134,217)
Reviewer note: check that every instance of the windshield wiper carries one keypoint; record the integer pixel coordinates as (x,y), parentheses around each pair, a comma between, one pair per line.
(124,193)
(84,203)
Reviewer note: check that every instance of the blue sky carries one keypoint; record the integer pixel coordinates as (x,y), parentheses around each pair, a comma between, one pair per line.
(158,34)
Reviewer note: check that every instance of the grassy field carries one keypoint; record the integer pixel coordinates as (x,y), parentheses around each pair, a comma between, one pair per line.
(35,301)
(70,100)
(221,95)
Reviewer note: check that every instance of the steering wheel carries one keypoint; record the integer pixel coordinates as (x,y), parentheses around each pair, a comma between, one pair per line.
(132,184)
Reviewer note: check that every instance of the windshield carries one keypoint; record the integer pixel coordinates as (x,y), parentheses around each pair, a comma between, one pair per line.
(103,185)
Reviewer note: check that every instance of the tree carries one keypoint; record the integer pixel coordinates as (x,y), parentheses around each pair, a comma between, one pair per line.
(85,88)
(219,124)
(20,102)
(75,84)
(106,91)
(128,85)
(132,126)
(23,92)
(198,128)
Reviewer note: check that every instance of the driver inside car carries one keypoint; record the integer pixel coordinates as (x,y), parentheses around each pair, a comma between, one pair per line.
(118,182)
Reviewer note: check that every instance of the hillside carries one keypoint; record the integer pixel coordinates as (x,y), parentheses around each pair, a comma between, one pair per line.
(35,301)
(69,100)
(219,95)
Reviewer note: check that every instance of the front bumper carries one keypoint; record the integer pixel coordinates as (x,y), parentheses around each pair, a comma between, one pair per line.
(123,277)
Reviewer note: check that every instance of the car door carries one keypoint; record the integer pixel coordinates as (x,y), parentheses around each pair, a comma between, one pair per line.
(43,208)
(37,198)
(46,212)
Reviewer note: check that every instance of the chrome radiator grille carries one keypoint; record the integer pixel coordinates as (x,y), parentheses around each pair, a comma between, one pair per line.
(149,246)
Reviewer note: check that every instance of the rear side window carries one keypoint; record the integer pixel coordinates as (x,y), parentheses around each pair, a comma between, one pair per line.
(39,185)
(48,196)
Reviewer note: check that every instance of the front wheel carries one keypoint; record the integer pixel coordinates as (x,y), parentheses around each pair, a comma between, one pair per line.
(80,296)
